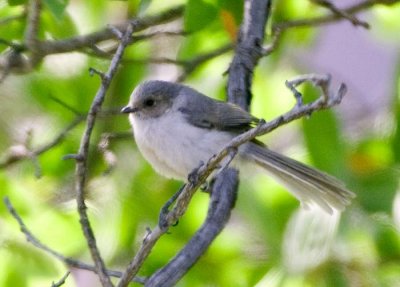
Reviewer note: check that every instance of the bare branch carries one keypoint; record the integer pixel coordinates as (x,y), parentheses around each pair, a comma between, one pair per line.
(32,29)
(61,281)
(190,65)
(81,165)
(87,41)
(327,4)
(309,22)
(248,51)
(66,260)
(133,267)
(13,157)
(337,15)
(223,198)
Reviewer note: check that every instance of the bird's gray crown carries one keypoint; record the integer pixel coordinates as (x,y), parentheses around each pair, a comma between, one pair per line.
(154,87)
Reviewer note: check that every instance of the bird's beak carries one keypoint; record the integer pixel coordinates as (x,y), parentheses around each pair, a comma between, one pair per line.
(128,110)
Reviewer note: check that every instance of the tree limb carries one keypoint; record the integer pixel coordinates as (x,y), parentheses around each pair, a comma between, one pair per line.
(88,40)
(248,51)
(223,198)
(70,262)
(337,15)
(82,156)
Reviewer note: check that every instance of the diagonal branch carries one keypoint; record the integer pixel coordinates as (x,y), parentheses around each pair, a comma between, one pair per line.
(335,10)
(82,157)
(337,15)
(223,198)
(88,40)
(325,101)
(70,262)
(13,157)
(308,22)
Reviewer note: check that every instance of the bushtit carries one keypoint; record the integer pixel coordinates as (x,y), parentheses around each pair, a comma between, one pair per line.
(176,128)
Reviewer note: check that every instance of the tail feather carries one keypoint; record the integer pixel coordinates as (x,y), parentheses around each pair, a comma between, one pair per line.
(307,184)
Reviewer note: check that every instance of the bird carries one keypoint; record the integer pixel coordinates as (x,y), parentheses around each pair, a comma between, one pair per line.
(176,128)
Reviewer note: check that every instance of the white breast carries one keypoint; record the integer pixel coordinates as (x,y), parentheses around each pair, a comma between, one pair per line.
(173,146)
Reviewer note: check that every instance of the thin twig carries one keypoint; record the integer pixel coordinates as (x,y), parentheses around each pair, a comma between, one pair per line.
(61,281)
(190,65)
(65,105)
(12,157)
(329,5)
(337,15)
(308,22)
(70,262)
(88,40)
(81,166)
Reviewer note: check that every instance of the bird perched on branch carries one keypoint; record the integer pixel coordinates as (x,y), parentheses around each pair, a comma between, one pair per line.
(176,128)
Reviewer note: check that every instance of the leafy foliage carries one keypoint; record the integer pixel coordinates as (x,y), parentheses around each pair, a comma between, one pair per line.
(124,193)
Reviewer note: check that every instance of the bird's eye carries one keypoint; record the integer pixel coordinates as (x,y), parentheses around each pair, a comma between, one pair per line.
(149,103)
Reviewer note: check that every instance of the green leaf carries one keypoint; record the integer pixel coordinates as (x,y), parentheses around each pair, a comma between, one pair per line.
(58,27)
(234,7)
(143,5)
(56,7)
(322,138)
(16,2)
(377,190)
(396,137)
(198,15)
(388,242)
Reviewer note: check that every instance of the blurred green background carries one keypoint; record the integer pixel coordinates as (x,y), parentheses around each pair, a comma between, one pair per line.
(268,241)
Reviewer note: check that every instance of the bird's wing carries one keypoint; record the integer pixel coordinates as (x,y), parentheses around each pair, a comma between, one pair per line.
(213,114)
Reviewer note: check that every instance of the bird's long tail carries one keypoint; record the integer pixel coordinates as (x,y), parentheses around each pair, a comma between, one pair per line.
(305,183)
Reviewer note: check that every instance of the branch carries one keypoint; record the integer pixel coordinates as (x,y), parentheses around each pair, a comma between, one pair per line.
(337,15)
(22,153)
(331,17)
(66,260)
(325,101)
(190,65)
(16,62)
(248,51)
(223,198)
(82,156)
(88,40)
(32,29)
(343,14)
(61,281)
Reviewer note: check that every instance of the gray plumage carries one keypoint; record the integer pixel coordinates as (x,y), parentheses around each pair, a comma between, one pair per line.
(177,127)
